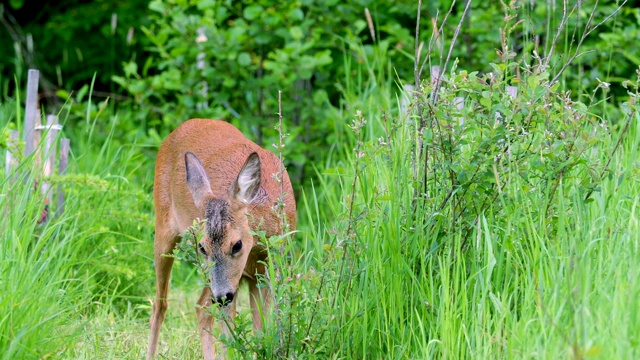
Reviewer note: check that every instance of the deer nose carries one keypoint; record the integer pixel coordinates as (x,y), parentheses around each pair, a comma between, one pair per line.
(226,299)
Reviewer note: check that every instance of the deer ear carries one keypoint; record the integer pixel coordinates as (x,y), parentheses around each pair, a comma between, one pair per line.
(247,184)
(197,178)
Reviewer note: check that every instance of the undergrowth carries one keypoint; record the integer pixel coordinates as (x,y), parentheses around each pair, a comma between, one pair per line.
(488,215)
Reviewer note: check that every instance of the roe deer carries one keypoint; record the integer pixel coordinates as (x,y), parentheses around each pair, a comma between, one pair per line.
(207,169)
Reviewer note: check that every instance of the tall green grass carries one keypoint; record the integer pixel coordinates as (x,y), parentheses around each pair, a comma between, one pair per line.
(539,273)
(518,287)
(41,289)
(520,284)
(90,259)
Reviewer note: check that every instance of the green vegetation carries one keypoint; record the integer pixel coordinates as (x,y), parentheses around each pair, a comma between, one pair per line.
(458,221)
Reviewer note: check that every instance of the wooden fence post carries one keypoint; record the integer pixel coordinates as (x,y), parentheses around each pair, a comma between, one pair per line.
(201,64)
(30,111)
(51,133)
(31,135)
(435,74)
(62,170)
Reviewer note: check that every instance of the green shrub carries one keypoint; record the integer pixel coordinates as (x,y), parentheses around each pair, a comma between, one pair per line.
(221,59)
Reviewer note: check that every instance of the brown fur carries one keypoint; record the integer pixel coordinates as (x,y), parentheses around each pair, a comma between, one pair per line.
(222,150)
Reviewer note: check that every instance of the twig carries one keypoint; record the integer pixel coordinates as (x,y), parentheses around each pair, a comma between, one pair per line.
(433,39)
(417,92)
(563,23)
(280,206)
(434,93)
(280,147)
(304,344)
(587,32)
(352,200)
(416,59)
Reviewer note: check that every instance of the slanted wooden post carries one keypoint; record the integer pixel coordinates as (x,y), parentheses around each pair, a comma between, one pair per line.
(31,111)
(62,170)
(51,133)
(435,74)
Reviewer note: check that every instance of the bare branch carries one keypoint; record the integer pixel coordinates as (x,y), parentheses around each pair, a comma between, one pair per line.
(434,93)
(435,38)
(563,23)
(418,48)
(588,29)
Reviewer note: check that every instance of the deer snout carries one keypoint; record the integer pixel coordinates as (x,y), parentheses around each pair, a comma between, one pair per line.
(222,287)
(226,299)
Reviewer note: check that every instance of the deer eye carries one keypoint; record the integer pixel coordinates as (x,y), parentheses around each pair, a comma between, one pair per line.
(201,248)
(236,247)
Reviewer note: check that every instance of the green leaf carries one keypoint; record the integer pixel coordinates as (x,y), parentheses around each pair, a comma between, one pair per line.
(82,92)
(206,4)
(228,82)
(244,59)
(130,68)
(157,5)
(252,12)
(296,14)
(486,102)
(323,58)
(296,32)
(533,81)
(16,4)
(63,94)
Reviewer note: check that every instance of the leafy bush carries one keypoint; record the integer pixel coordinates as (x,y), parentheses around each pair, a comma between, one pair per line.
(215,59)
(220,59)
(471,154)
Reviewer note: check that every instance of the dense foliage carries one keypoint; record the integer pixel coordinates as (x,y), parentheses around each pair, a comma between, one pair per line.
(52,36)
(181,59)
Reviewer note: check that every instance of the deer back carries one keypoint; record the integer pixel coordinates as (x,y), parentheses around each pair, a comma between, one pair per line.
(222,149)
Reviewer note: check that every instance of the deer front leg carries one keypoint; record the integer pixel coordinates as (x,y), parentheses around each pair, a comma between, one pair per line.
(205,322)
(163,266)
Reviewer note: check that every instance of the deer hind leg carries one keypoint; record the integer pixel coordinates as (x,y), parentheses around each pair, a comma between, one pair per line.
(205,323)
(164,245)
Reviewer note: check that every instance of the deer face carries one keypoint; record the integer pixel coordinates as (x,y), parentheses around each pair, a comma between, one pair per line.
(227,241)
